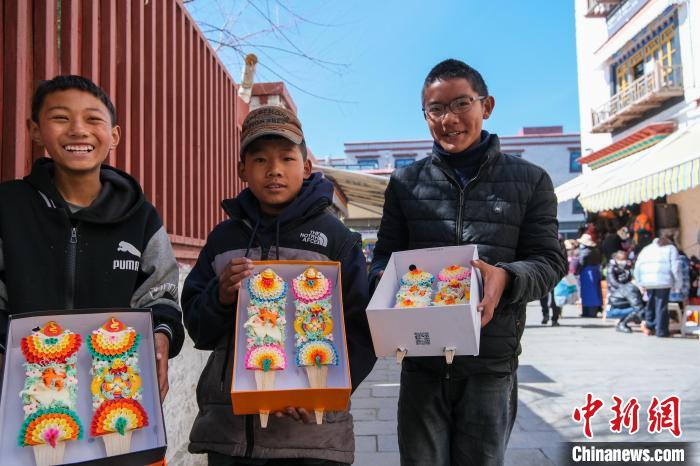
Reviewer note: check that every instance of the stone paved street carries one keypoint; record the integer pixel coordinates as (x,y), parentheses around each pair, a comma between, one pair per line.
(558,366)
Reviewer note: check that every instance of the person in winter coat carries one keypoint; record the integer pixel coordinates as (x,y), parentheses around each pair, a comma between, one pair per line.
(658,270)
(572,251)
(682,294)
(78,234)
(547,302)
(589,274)
(550,300)
(469,192)
(282,215)
(622,292)
(614,241)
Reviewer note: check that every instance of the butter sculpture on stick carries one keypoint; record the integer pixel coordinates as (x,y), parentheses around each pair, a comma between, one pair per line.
(50,393)
(415,288)
(116,386)
(265,331)
(453,286)
(313,327)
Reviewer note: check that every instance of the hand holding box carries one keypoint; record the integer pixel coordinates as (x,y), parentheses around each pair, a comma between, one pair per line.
(447,325)
(319,340)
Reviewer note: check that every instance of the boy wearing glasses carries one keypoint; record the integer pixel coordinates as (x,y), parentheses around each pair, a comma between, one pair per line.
(469,192)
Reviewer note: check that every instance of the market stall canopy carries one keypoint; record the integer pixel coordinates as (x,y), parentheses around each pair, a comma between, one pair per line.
(671,166)
(574,187)
(362,189)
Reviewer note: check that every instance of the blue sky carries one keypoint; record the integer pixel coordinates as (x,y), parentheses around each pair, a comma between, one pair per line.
(524,49)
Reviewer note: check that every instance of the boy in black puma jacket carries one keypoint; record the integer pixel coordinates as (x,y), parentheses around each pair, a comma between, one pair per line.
(281,215)
(78,234)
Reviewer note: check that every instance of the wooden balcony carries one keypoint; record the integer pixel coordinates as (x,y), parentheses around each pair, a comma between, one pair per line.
(601,8)
(648,91)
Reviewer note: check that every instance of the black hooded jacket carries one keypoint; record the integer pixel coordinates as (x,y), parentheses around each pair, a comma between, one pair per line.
(305,230)
(508,209)
(114,253)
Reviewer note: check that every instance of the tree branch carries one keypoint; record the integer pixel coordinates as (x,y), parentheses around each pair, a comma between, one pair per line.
(223,37)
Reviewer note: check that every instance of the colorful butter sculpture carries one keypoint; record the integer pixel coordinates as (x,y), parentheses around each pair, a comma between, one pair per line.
(453,286)
(116,385)
(313,327)
(50,392)
(415,288)
(265,330)
(267,286)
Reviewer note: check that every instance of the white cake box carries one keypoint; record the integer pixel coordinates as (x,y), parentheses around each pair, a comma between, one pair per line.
(425,331)
(148,444)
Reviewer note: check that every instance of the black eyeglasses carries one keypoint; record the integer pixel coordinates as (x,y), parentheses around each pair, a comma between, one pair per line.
(463,104)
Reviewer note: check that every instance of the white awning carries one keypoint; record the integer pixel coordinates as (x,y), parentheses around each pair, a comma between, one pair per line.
(571,189)
(574,187)
(362,189)
(670,166)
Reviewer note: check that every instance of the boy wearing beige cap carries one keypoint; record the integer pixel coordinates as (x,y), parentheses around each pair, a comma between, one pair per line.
(283,214)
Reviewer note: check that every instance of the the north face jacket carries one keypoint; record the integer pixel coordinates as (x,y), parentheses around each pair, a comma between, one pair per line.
(114,253)
(305,230)
(508,210)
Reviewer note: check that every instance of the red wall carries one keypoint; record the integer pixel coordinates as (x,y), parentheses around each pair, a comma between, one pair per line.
(176,104)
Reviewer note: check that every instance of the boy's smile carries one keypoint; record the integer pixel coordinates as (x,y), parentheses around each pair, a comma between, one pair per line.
(456,132)
(276,187)
(79,149)
(274,170)
(76,129)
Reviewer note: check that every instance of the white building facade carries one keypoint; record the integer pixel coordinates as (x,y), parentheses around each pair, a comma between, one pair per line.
(641,47)
(639,90)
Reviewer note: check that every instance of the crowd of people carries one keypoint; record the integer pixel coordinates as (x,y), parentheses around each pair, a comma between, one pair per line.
(642,274)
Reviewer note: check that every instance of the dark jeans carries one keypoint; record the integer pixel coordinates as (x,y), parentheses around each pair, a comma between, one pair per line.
(546,303)
(217,459)
(656,316)
(456,421)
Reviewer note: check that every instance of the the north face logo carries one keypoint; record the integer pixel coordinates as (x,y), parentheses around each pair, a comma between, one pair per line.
(126,264)
(315,237)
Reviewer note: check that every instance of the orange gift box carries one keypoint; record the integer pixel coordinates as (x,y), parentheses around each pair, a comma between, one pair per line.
(291,385)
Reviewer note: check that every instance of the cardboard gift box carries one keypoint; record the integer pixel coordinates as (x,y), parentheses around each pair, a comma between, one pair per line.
(148,444)
(425,331)
(291,385)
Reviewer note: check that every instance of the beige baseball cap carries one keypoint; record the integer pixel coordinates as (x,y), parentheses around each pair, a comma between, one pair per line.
(271,120)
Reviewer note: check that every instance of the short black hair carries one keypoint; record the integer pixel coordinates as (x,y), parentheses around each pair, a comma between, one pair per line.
(64,83)
(273,137)
(451,69)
